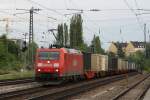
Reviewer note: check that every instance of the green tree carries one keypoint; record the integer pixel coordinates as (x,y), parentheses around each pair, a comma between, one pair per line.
(147,65)
(13,48)
(148,50)
(96,44)
(3,39)
(2,54)
(76,32)
(60,36)
(138,58)
(66,35)
(120,52)
(9,58)
(111,54)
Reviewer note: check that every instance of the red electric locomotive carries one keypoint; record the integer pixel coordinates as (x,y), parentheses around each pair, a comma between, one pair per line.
(58,63)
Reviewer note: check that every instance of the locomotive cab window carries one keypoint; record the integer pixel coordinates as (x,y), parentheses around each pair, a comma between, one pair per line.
(49,55)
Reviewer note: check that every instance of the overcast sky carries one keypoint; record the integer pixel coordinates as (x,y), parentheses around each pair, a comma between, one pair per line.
(113,16)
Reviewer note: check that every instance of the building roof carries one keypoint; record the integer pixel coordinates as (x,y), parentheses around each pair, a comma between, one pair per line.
(120,45)
(137,44)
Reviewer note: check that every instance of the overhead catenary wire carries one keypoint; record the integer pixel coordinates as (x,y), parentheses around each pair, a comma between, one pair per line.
(88,11)
(132,10)
(137,7)
(91,31)
(15,15)
(51,10)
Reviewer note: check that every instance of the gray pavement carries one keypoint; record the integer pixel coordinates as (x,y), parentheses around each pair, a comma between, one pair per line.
(147,96)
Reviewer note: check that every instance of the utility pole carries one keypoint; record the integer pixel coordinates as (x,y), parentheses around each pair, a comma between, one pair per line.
(149,38)
(31,26)
(31,37)
(121,35)
(145,38)
(31,34)
(148,35)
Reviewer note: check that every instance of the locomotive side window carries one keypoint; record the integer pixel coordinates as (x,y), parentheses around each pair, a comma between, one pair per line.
(49,55)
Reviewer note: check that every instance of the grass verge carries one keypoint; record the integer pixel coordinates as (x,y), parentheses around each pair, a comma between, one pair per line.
(17,75)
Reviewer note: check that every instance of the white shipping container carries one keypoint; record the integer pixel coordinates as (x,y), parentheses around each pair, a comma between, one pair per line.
(104,62)
(124,64)
(120,64)
(127,67)
(95,62)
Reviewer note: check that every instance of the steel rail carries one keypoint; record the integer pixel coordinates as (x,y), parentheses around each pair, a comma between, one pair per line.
(121,94)
(17,81)
(76,89)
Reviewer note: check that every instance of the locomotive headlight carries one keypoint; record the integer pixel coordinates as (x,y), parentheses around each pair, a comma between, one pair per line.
(56,70)
(56,65)
(39,70)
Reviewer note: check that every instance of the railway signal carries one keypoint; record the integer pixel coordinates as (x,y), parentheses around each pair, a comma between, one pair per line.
(31,33)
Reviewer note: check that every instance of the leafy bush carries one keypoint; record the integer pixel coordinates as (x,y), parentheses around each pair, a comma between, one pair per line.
(9,55)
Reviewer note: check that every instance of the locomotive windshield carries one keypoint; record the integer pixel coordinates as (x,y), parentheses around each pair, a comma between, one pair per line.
(49,55)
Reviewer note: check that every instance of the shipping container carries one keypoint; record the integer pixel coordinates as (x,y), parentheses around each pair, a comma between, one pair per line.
(95,62)
(133,65)
(127,65)
(86,61)
(112,63)
(120,64)
(104,62)
(130,65)
(123,64)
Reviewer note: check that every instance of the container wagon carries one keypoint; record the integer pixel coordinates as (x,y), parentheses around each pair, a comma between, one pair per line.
(112,65)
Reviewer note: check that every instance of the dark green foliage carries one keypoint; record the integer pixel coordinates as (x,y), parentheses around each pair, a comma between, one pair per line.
(139,58)
(76,32)
(66,35)
(147,65)
(13,48)
(96,45)
(120,52)
(9,54)
(60,36)
(83,47)
(148,50)
(147,58)
(75,36)
(3,55)
(111,54)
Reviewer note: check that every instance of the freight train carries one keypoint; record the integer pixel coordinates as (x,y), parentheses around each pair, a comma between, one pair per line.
(65,64)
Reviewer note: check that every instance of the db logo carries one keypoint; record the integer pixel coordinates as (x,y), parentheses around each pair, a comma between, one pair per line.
(75,62)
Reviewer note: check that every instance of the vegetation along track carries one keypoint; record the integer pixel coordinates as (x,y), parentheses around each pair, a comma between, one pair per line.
(17,81)
(135,91)
(64,92)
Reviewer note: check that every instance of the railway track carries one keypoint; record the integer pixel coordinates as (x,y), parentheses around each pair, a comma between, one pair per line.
(65,92)
(17,81)
(135,91)
(59,92)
